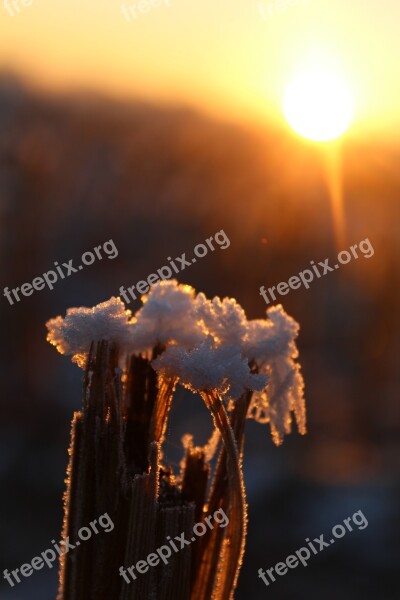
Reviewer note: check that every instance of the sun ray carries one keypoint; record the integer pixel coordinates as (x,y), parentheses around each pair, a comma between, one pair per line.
(333,173)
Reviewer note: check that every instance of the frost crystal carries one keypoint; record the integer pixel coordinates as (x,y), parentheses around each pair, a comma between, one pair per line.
(272,345)
(208,345)
(268,338)
(167,317)
(224,319)
(74,334)
(207,367)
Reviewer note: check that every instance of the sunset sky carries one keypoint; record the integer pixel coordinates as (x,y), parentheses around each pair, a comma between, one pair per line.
(221,56)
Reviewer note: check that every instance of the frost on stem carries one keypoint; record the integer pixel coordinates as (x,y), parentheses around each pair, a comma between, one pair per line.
(224,319)
(241,369)
(74,334)
(167,317)
(235,536)
(215,371)
(209,344)
(207,367)
(271,344)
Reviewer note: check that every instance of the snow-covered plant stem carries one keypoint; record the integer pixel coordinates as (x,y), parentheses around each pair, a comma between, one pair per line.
(241,368)
(234,543)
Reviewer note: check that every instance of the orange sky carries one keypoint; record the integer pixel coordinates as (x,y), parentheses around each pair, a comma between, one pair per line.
(223,56)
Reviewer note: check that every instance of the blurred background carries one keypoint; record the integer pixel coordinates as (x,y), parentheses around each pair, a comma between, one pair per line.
(157,133)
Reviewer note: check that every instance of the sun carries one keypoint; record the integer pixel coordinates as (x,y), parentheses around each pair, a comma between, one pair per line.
(318,105)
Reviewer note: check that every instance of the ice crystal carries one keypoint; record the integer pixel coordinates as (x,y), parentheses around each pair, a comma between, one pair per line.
(206,367)
(74,334)
(224,319)
(207,345)
(272,345)
(167,317)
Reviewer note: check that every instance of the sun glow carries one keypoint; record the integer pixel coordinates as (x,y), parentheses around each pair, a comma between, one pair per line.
(318,105)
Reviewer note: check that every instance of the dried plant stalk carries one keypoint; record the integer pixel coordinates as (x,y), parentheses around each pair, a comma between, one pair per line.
(211,545)
(114,468)
(218,580)
(163,406)
(195,476)
(95,473)
(116,446)
(142,528)
(175,581)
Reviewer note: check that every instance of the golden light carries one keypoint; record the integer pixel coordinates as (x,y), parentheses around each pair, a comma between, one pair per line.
(318,105)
